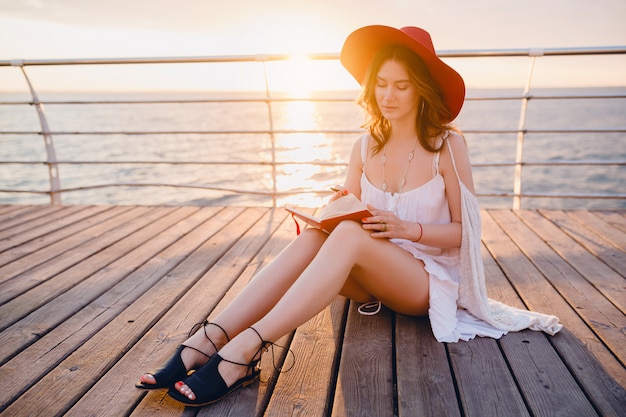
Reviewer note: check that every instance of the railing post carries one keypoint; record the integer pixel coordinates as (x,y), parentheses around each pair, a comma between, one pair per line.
(53,169)
(521,131)
(268,100)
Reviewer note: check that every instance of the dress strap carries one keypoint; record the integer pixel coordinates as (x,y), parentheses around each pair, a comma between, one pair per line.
(452,157)
(438,154)
(364,145)
(436,164)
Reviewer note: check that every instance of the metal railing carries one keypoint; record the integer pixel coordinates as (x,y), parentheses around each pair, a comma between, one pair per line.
(56,189)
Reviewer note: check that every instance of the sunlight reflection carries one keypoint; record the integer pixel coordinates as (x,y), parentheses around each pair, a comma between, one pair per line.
(302,147)
(299,77)
(300,115)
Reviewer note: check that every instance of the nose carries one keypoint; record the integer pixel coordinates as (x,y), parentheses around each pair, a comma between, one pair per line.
(387,93)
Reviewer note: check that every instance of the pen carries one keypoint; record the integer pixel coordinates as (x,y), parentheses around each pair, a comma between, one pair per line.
(336,188)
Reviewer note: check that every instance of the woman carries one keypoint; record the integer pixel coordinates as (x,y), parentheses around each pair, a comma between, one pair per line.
(413,171)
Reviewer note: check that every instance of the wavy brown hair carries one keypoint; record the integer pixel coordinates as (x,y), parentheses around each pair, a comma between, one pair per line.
(432,110)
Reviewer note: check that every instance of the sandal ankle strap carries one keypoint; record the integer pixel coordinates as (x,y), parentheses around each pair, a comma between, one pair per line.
(204,324)
(265,346)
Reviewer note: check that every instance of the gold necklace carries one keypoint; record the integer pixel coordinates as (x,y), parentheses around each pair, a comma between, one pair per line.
(406,171)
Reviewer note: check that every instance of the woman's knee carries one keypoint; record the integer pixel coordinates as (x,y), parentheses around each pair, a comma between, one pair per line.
(312,236)
(348,228)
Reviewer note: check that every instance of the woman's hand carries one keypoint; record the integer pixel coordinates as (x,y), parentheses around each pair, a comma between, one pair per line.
(339,192)
(385,224)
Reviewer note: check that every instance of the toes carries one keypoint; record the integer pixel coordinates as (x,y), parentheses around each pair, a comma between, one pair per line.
(147,379)
(185,390)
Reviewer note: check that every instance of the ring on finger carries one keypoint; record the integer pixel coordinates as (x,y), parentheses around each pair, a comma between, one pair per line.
(384,227)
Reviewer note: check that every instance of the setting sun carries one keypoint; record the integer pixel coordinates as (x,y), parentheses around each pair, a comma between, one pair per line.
(299,77)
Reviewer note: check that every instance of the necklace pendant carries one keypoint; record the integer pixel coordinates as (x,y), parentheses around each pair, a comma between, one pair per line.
(384,186)
(383,159)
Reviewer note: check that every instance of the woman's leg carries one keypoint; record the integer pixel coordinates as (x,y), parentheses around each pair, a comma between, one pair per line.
(381,268)
(254,301)
(388,273)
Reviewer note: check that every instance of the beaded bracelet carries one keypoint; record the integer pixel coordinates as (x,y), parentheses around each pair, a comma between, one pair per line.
(421,232)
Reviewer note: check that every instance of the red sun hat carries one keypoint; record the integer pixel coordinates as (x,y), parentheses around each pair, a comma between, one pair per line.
(362,45)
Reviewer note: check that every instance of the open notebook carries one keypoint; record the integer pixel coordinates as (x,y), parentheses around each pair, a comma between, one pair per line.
(345,208)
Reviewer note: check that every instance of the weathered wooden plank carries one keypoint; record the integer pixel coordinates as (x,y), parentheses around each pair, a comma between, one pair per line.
(548,387)
(544,365)
(24,228)
(136,272)
(616,219)
(24,214)
(574,348)
(176,320)
(592,241)
(486,386)
(5,209)
(51,230)
(236,268)
(594,270)
(365,384)
(48,281)
(76,374)
(599,226)
(554,375)
(601,315)
(105,221)
(425,382)
(163,338)
(538,294)
(253,400)
(308,388)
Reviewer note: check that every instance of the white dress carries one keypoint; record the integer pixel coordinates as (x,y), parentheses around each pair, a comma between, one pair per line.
(428,204)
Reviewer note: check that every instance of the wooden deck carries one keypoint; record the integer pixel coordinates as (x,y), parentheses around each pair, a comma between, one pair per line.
(92,296)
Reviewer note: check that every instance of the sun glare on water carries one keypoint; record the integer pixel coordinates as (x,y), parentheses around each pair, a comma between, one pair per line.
(301,148)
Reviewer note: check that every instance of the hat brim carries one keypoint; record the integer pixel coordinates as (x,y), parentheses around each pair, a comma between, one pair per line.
(363,44)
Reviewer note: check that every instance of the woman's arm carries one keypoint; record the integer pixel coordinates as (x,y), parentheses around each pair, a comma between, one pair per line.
(353,176)
(449,235)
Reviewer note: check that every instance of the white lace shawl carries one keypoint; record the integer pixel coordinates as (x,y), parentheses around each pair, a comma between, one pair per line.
(472,289)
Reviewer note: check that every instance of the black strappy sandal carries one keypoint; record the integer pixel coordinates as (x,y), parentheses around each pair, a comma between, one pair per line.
(208,385)
(174,369)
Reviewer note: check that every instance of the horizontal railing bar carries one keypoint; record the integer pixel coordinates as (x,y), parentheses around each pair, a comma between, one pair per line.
(568,196)
(183,101)
(167,60)
(550,163)
(499,53)
(316,163)
(546,97)
(297,131)
(191,132)
(305,191)
(190,186)
(262,163)
(466,53)
(307,99)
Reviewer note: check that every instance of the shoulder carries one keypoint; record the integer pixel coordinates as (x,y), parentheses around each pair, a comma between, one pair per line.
(454,144)
(356,155)
(456,141)
(361,144)
(455,160)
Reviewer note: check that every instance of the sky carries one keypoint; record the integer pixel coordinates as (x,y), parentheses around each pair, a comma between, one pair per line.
(49,29)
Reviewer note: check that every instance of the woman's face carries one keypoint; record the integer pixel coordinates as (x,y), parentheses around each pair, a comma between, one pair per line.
(396,94)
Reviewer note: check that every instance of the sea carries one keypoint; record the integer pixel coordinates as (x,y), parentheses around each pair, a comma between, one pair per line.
(92,151)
